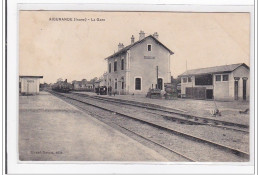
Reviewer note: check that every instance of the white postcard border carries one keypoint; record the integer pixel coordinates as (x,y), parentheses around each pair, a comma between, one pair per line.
(107,167)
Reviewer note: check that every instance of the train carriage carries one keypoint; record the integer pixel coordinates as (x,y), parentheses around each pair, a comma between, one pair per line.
(102,90)
(62,86)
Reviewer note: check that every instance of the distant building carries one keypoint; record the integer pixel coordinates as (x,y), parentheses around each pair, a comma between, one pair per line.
(227,82)
(44,86)
(82,85)
(97,83)
(103,80)
(132,69)
(29,85)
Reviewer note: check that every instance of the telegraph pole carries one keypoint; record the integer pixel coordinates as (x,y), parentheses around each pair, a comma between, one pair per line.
(157,77)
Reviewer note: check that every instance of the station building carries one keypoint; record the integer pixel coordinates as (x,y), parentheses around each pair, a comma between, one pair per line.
(132,69)
(29,85)
(225,83)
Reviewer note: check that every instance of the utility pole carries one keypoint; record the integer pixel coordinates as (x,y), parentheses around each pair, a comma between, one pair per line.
(157,77)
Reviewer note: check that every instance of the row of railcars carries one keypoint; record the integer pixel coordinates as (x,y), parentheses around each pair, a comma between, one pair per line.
(62,86)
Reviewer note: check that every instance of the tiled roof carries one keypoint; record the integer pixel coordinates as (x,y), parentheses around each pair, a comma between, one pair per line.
(137,42)
(216,69)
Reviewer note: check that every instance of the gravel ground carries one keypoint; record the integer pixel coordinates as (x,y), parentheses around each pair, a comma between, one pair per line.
(234,139)
(229,110)
(198,151)
(52,130)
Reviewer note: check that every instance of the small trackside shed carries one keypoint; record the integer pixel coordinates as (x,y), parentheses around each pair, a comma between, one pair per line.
(29,85)
(226,83)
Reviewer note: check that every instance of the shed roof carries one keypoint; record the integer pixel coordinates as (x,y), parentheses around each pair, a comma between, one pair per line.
(216,69)
(30,76)
(138,42)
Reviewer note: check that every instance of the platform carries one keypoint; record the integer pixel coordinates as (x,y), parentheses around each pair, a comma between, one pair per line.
(229,110)
(53,130)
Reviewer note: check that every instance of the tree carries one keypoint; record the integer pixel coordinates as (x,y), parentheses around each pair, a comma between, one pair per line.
(93,80)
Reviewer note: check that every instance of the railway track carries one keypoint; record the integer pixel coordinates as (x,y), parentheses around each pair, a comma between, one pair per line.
(176,115)
(116,125)
(236,154)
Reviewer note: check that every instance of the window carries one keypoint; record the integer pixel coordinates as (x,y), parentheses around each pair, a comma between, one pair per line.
(184,80)
(115,66)
(204,79)
(109,67)
(189,79)
(149,47)
(122,64)
(115,83)
(218,77)
(138,84)
(123,85)
(225,77)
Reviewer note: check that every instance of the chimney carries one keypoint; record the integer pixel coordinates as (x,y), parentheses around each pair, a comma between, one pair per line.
(155,35)
(120,46)
(132,39)
(141,35)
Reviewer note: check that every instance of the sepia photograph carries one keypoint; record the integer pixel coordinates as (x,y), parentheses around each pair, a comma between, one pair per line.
(134,86)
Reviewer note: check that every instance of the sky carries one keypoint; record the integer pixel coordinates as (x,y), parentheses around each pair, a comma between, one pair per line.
(77,49)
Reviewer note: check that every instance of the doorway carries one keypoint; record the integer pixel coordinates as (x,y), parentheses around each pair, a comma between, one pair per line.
(236,90)
(160,83)
(244,89)
(209,93)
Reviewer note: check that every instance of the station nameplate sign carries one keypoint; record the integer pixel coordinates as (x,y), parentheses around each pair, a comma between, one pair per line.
(149,57)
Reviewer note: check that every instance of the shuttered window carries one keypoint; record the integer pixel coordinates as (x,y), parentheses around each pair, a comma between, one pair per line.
(115,66)
(138,84)
(115,83)
(123,85)
(109,67)
(122,64)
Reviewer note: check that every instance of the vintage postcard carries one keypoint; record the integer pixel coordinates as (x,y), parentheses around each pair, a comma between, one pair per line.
(134,86)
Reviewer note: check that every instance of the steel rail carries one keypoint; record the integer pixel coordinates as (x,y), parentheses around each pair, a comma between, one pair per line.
(183,134)
(205,121)
(147,139)
(168,110)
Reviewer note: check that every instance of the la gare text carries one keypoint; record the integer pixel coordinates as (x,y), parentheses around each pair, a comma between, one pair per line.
(78,19)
